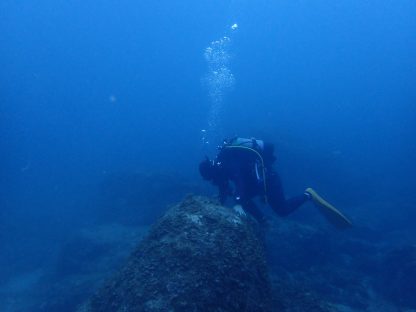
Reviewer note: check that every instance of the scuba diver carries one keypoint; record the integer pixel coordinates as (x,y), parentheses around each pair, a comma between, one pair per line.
(248,164)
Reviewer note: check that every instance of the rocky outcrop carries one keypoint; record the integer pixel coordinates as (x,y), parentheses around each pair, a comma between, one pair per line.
(397,276)
(81,265)
(315,269)
(198,257)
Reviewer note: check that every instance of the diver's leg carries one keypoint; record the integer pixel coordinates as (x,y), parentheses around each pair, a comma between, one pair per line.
(276,197)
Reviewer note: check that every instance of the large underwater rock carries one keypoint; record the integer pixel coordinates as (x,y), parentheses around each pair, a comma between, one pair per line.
(198,257)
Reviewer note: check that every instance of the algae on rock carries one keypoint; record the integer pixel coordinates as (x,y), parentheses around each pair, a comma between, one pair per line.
(199,256)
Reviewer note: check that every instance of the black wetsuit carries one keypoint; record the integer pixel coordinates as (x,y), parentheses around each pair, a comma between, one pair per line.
(242,167)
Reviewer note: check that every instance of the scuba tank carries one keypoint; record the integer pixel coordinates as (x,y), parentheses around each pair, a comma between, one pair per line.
(256,147)
(255,144)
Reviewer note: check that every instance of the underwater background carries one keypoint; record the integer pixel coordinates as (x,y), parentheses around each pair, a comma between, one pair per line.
(107,108)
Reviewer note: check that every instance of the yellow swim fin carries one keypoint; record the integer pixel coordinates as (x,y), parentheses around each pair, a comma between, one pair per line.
(333,215)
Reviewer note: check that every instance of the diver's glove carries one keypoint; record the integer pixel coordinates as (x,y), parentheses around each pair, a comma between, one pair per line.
(239,210)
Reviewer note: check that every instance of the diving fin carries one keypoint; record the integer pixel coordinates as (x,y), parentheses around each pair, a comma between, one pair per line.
(333,215)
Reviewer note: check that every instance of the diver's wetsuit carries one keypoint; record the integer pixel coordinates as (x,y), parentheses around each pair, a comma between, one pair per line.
(238,165)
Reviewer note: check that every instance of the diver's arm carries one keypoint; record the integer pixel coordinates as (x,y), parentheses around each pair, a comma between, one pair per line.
(224,191)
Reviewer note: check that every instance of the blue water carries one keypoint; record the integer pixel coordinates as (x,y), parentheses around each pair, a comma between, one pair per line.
(90,89)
